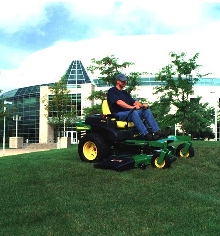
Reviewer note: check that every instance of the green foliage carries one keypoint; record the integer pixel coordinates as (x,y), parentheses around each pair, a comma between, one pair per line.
(95,109)
(206,134)
(160,110)
(98,95)
(199,116)
(54,193)
(108,67)
(177,81)
(134,80)
(197,120)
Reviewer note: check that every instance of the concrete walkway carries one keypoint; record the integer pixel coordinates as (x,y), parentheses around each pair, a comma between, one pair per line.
(11,152)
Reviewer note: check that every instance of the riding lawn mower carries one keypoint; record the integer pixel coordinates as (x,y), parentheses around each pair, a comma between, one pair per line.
(113,144)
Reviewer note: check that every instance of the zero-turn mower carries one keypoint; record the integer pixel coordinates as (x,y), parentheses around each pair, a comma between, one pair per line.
(113,144)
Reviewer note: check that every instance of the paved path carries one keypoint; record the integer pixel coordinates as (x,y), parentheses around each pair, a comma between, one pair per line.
(11,152)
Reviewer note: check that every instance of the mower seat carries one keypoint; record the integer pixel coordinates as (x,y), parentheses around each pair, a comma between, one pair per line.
(120,124)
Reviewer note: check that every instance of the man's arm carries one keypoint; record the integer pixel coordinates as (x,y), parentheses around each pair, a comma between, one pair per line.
(136,104)
(124,104)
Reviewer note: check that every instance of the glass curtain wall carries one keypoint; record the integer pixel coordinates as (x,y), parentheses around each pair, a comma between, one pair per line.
(25,105)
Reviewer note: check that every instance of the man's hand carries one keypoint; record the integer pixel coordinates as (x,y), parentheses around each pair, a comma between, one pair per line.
(141,106)
(138,105)
(145,106)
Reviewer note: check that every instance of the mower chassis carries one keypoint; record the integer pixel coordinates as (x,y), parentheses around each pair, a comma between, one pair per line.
(101,140)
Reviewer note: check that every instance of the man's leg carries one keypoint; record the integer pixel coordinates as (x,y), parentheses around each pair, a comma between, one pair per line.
(136,119)
(149,119)
(147,114)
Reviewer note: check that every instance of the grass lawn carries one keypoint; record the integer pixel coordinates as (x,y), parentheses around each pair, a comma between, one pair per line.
(54,193)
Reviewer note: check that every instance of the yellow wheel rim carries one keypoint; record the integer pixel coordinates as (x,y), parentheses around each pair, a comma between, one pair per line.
(159,165)
(182,155)
(90,151)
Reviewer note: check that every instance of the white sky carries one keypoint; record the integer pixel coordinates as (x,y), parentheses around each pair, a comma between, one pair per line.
(42,37)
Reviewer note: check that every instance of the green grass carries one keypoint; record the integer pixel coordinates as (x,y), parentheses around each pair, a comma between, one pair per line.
(54,193)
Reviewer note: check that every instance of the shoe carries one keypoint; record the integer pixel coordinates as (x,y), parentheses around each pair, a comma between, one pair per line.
(163,134)
(148,137)
(156,137)
(151,137)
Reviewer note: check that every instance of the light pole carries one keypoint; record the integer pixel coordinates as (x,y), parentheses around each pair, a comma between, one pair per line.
(16,118)
(216,111)
(216,122)
(64,127)
(3,148)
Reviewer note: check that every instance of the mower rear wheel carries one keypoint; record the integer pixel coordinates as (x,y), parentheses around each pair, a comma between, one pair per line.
(189,153)
(165,164)
(92,148)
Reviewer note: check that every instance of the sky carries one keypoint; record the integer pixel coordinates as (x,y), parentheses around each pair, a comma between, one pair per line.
(34,32)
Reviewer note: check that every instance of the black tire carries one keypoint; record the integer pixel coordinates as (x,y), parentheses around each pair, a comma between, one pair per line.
(166,162)
(142,166)
(180,148)
(92,148)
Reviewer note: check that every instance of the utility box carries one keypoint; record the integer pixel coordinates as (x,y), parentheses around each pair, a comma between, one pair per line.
(16,142)
(63,142)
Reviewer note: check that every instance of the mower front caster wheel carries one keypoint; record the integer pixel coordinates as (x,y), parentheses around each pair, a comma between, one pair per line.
(180,153)
(165,164)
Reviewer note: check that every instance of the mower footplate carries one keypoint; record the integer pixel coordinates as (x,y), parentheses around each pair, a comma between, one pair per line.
(116,163)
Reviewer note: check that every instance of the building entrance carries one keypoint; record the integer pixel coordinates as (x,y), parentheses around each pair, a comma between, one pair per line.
(73,136)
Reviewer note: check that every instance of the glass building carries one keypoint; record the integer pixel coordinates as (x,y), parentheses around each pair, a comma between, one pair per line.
(26,104)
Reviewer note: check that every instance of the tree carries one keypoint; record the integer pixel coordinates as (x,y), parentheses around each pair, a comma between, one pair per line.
(59,106)
(199,118)
(160,110)
(107,68)
(177,81)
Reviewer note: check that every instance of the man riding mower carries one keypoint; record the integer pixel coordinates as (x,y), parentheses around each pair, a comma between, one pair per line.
(111,143)
(119,139)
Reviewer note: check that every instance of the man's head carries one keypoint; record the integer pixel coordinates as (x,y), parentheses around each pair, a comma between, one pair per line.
(121,77)
(121,80)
